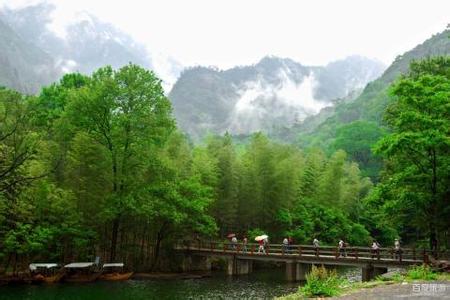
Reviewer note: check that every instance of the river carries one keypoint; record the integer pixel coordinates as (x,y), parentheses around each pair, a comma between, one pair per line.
(261,284)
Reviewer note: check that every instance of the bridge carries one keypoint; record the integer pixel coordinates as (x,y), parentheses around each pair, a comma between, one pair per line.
(298,259)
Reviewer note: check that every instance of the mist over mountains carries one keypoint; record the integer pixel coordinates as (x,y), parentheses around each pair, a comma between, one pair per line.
(83,45)
(273,93)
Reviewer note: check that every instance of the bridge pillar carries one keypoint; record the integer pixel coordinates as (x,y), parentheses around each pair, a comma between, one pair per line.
(296,271)
(196,263)
(231,266)
(236,266)
(203,263)
(301,271)
(291,271)
(243,266)
(369,272)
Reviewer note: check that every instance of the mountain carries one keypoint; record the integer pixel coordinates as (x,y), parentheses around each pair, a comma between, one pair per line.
(356,124)
(24,66)
(273,93)
(320,129)
(84,44)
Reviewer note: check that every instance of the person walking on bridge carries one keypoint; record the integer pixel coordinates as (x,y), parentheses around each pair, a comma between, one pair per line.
(234,242)
(244,244)
(261,247)
(375,249)
(285,245)
(316,245)
(397,249)
(341,247)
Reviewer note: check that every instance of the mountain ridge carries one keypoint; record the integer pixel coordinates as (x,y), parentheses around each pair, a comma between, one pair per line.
(87,44)
(273,92)
(369,106)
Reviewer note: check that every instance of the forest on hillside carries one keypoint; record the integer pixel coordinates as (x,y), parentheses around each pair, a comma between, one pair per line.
(95,165)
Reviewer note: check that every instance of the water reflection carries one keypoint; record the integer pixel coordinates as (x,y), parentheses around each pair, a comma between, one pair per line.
(261,284)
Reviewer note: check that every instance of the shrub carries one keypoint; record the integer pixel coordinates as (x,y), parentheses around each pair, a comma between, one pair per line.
(321,282)
(422,272)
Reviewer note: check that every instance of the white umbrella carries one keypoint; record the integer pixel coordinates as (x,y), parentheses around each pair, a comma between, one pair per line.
(261,237)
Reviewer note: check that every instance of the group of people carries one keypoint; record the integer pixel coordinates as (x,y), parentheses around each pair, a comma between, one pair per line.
(288,242)
(375,248)
(262,243)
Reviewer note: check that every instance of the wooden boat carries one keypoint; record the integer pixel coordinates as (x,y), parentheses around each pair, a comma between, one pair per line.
(46,272)
(115,272)
(82,272)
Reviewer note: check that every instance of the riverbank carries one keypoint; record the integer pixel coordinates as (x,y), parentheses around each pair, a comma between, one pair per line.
(394,285)
(419,289)
(436,289)
(26,278)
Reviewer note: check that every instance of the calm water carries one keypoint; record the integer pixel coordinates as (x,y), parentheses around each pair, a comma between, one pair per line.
(262,284)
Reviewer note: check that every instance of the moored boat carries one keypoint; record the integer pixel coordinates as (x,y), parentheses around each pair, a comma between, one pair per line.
(82,272)
(115,272)
(46,272)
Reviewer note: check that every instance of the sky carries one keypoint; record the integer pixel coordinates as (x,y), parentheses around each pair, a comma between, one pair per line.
(227,33)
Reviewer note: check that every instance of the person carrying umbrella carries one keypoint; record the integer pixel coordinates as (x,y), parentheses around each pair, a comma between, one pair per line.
(233,240)
(261,242)
(261,247)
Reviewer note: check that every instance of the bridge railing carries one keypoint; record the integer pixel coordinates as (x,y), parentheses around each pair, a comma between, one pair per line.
(351,252)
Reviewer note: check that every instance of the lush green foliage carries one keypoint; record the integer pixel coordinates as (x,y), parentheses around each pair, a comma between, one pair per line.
(95,166)
(422,272)
(414,188)
(323,129)
(281,191)
(321,282)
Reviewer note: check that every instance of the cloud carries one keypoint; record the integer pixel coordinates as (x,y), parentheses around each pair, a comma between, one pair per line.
(267,105)
(234,32)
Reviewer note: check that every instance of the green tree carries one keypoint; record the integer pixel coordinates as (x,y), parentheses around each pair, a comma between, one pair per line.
(357,139)
(418,148)
(125,113)
(18,143)
(224,209)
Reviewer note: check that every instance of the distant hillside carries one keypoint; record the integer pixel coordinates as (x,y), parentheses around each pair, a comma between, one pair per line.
(356,124)
(320,130)
(273,93)
(24,66)
(85,45)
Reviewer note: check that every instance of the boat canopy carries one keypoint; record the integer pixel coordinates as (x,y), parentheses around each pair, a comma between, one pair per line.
(79,265)
(113,265)
(34,267)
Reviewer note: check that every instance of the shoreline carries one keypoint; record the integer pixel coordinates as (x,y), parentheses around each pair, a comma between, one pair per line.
(437,289)
(25,278)
(387,289)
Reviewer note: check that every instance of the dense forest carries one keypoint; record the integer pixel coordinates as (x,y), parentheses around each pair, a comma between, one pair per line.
(95,166)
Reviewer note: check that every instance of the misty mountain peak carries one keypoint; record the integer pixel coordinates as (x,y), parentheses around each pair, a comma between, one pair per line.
(272,93)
